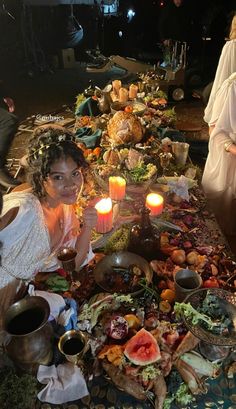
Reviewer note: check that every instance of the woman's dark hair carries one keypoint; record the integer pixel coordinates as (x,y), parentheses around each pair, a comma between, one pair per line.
(48,145)
(1,205)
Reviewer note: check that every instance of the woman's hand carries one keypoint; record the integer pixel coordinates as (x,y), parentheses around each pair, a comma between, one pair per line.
(90,217)
(83,241)
(232,149)
(10,103)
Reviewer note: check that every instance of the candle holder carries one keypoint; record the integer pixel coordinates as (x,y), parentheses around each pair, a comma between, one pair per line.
(67,256)
(165,158)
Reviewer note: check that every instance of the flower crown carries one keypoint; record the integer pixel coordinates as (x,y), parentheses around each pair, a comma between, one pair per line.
(50,140)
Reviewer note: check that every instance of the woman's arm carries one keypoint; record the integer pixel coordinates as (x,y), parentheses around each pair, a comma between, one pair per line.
(83,241)
(211,128)
(8,217)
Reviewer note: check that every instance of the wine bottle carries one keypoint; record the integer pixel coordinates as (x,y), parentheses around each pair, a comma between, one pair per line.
(145,238)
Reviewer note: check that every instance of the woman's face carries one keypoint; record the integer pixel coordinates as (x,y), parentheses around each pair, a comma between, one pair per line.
(64,182)
(178,3)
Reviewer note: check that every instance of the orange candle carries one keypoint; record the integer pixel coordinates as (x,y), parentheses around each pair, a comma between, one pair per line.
(123,95)
(116,84)
(133,90)
(104,213)
(154,203)
(117,187)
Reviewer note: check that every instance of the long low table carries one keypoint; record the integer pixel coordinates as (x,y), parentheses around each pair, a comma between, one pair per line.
(221,391)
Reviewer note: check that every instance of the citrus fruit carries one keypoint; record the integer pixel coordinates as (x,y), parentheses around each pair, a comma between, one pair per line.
(168,295)
(129,109)
(133,320)
(164,306)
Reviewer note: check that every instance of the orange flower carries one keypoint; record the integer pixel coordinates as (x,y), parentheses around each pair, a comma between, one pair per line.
(97,152)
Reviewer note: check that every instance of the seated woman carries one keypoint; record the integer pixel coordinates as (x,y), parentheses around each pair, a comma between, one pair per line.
(35,225)
(219,177)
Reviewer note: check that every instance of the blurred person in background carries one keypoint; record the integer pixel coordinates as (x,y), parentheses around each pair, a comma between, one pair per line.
(175,22)
(8,129)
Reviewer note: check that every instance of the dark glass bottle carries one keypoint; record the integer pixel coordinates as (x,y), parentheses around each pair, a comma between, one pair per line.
(145,238)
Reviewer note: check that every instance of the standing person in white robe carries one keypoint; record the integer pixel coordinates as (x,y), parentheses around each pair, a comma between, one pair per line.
(35,225)
(219,177)
(226,67)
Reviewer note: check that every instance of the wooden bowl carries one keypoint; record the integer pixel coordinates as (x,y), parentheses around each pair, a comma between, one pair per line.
(122,259)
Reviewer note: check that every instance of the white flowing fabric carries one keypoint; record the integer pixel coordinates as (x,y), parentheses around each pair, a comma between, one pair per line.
(226,66)
(26,244)
(64,383)
(219,177)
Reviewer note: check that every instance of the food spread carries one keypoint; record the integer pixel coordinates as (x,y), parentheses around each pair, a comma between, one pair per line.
(139,334)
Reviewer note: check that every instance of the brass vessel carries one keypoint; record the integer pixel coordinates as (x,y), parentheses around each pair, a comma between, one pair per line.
(30,334)
(74,353)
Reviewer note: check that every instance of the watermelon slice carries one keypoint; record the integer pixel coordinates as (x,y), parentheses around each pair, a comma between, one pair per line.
(142,348)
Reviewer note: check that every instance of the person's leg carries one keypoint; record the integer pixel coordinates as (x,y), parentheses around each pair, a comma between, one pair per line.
(8,128)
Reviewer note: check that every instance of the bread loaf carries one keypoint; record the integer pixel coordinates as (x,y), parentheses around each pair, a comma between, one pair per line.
(124,127)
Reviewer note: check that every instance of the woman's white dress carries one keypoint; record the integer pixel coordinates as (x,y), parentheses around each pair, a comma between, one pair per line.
(26,244)
(219,181)
(226,66)
(219,177)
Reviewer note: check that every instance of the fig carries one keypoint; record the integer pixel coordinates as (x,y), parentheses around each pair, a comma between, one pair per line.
(187,245)
(188,220)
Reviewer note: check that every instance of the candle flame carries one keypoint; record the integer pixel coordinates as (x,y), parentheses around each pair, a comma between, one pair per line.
(104,206)
(117,179)
(154,199)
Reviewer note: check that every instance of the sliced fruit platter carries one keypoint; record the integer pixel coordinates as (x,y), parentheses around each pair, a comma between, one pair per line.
(141,342)
(140,348)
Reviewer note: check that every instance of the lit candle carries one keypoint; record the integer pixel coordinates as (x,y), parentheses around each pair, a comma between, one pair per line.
(133,90)
(123,95)
(104,213)
(116,84)
(154,203)
(117,187)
